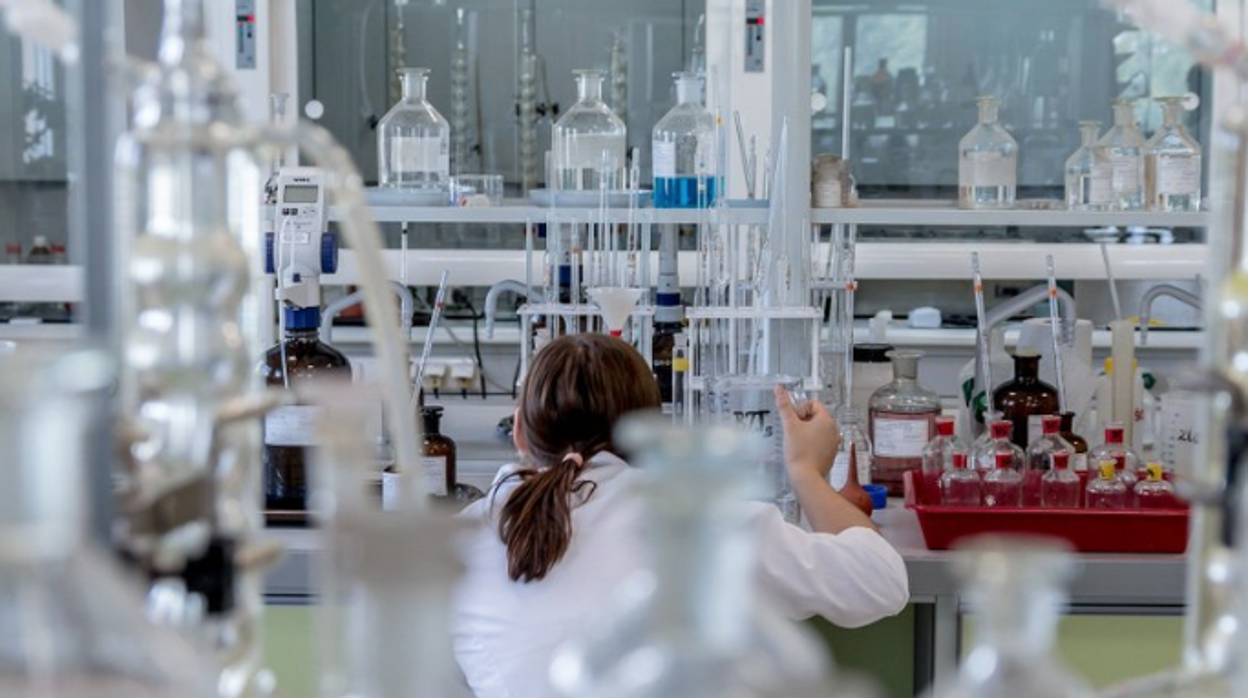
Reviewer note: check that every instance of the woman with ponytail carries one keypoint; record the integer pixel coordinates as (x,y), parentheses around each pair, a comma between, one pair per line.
(560,529)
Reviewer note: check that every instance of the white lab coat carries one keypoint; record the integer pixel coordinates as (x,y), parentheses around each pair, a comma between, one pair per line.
(505,632)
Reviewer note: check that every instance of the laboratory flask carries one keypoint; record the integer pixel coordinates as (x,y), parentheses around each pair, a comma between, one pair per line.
(1013,585)
(960,485)
(1106,490)
(1039,457)
(588,141)
(1090,173)
(1026,399)
(748,403)
(691,622)
(1059,487)
(414,140)
(987,162)
(902,419)
(938,454)
(1124,143)
(984,451)
(1003,485)
(683,150)
(1172,163)
(74,624)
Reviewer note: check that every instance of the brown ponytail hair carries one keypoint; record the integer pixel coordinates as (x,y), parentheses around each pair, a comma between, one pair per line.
(578,387)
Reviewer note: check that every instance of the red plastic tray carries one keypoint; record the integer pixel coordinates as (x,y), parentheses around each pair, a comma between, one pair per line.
(1088,530)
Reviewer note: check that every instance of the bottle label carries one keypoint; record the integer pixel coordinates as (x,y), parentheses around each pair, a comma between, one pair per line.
(435,475)
(1101,185)
(291,426)
(979,168)
(418,154)
(664,159)
(1178,176)
(390,491)
(1126,172)
(901,438)
(1080,462)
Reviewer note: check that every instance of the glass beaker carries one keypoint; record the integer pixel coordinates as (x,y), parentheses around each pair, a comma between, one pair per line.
(413,140)
(683,150)
(1013,585)
(1172,163)
(1089,173)
(1124,144)
(73,621)
(987,162)
(585,138)
(691,616)
(749,403)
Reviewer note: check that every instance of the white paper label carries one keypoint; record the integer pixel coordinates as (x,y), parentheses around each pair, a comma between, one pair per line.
(1101,185)
(418,154)
(1126,170)
(435,475)
(390,491)
(987,169)
(1178,176)
(1080,463)
(900,438)
(291,426)
(664,159)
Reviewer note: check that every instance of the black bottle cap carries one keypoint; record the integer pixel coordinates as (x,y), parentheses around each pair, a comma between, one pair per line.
(432,418)
(872,353)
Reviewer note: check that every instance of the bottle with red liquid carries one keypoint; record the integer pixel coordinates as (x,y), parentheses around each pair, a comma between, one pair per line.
(1003,487)
(1025,399)
(960,486)
(902,420)
(1154,492)
(1115,450)
(1039,455)
(938,454)
(1060,487)
(1106,490)
(984,455)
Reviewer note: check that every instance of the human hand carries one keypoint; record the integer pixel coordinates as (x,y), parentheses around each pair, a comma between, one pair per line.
(812,437)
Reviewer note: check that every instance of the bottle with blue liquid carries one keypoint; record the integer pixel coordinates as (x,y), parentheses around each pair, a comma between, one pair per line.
(684,150)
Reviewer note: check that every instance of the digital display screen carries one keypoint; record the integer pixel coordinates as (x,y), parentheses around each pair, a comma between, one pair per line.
(300,194)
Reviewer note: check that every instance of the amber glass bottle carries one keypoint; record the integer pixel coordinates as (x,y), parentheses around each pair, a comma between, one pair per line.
(1080,460)
(1025,400)
(438,455)
(288,430)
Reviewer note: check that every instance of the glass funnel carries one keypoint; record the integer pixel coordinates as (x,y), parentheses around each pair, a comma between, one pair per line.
(683,150)
(1172,163)
(413,140)
(588,141)
(1014,587)
(73,622)
(1090,173)
(987,162)
(1124,143)
(690,623)
(749,403)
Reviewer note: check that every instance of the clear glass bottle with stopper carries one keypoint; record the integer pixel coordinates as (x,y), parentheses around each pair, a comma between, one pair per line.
(902,418)
(413,140)
(1124,143)
(1014,588)
(683,150)
(701,639)
(987,162)
(960,485)
(1106,490)
(1090,173)
(1060,488)
(1172,163)
(588,135)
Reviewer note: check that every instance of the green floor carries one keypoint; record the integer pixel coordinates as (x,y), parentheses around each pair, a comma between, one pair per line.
(1103,649)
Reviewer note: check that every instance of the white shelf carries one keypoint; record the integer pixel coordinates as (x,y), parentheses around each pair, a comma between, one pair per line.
(913,212)
(520,212)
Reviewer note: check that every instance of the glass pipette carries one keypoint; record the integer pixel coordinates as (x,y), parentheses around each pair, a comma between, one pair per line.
(985,353)
(438,301)
(1056,322)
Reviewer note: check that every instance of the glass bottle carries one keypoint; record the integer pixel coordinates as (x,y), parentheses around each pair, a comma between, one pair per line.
(960,486)
(1154,492)
(697,640)
(1125,145)
(683,150)
(74,621)
(1106,490)
(1079,445)
(987,162)
(1003,486)
(1026,399)
(938,454)
(1089,173)
(1059,487)
(902,418)
(856,452)
(1115,450)
(299,358)
(984,453)
(669,312)
(1039,457)
(1172,163)
(1014,588)
(438,453)
(413,140)
(588,141)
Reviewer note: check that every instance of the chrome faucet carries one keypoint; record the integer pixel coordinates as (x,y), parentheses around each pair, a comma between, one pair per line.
(1170,291)
(491,300)
(1004,311)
